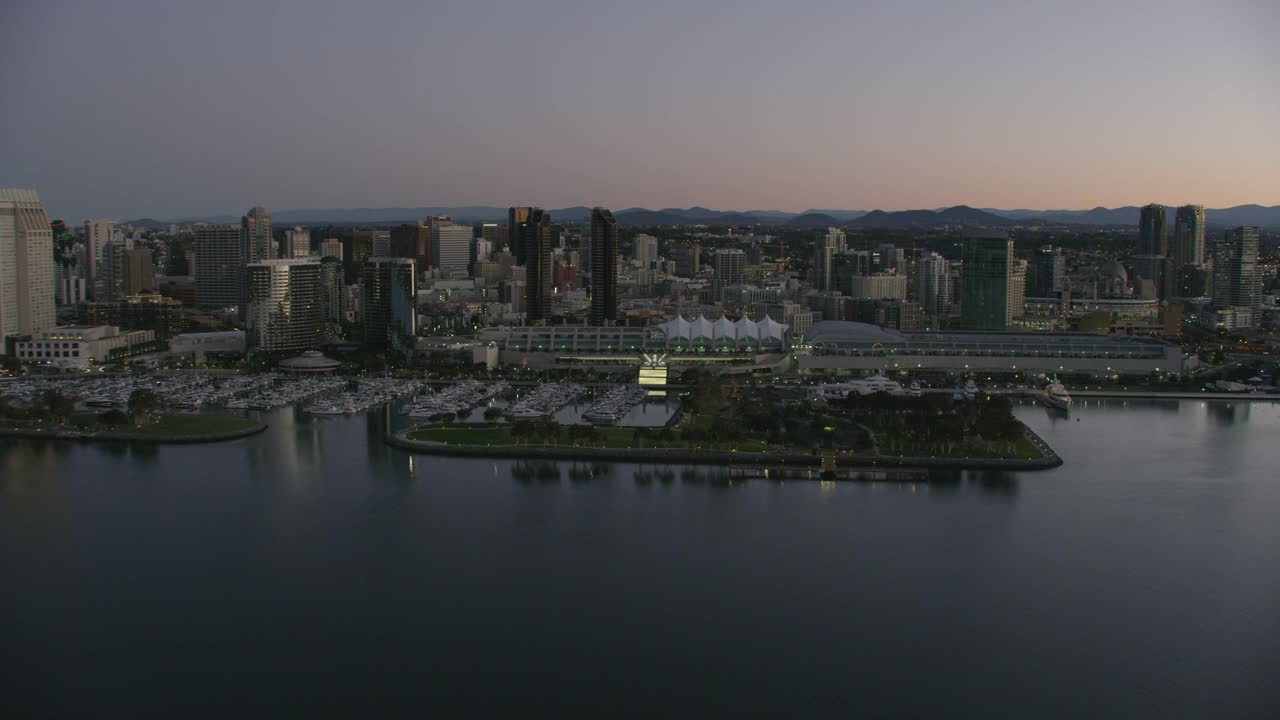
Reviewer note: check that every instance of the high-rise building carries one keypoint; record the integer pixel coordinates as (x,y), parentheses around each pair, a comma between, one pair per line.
(730,269)
(297,243)
(388,302)
(361,245)
(139,271)
(933,285)
(97,233)
(517,221)
(880,286)
(1236,282)
(825,249)
(1188,236)
(255,234)
(1017,289)
(331,247)
(220,261)
(604,270)
(538,236)
(283,311)
(451,247)
(409,239)
(491,233)
(1153,276)
(26,265)
(381,243)
(986,266)
(689,260)
(646,250)
(1047,273)
(1152,239)
(332,295)
(144,311)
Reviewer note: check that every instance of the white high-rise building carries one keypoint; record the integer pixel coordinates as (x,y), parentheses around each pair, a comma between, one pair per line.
(730,267)
(26,265)
(331,247)
(297,243)
(451,247)
(824,252)
(283,310)
(97,233)
(646,250)
(932,285)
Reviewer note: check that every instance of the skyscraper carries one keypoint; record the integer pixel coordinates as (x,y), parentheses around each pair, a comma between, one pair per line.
(1017,289)
(1047,273)
(985,272)
(139,271)
(604,267)
(410,238)
(331,295)
(646,250)
(26,265)
(1236,282)
(283,310)
(255,234)
(730,265)
(297,243)
(451,247)
(538,236)
(220,262)
(331,247)
(932,284)
(1188,236)
(825,249)
(97,233)
(1152,239)
(517,220)
(388,302)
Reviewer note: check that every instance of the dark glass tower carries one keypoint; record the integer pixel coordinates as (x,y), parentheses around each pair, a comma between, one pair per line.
(984,282)
(537,238)
(1236,282)
(604,267)
(1188,236)
(517,226)
(1152,239)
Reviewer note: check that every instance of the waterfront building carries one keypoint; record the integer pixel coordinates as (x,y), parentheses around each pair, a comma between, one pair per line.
(1152,238)
(388,302)
(985,271)
(26,265)
(283,311)
(332,296)
(1188,236)
(1236,282)
(255,235)
(604,269)
(200,345)
(79,347)
(162,315)
(219,272)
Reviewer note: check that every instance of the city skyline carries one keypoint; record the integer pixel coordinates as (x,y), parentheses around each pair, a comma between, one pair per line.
(822,105)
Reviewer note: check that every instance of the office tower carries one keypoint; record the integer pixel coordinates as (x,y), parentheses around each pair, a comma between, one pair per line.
(283,308)
(255,234)
(388,302)
(139,271)
(219,272)
(1194,281)
(517,222)
(932,281)
(880,286)
(381,243)
(1047,273)
(410,239)
(144,311)
(646,247)
(97,233)
(1152,239)
(538,236)
(492,234)
(825,250)
(689,260)
(297,243)
(451,247)
(1153,277)
(1236,282)
(1017,289)
(892,257)
(729,266)
(986,266)
(1188,236)
(361,245)
(331,296)
(331,247)
(604,270)
(26,265)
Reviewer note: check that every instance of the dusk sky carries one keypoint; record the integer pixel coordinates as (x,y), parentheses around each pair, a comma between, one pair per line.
(168,108)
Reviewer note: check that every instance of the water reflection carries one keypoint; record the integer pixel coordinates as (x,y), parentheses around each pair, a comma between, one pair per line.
(1229,413)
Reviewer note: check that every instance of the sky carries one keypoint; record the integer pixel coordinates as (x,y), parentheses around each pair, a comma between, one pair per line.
(171,108)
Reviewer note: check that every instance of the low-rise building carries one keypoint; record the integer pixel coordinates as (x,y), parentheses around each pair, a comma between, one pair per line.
(79,347)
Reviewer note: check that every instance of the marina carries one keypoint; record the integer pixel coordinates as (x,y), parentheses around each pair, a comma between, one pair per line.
(611,408)
(365,395)
(286,392)
(454,399)
(544,400)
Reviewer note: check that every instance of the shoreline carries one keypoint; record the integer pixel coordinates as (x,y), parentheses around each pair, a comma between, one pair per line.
(680,456)
(114,436)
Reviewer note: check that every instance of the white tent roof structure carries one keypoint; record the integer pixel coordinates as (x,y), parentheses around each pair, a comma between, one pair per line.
(723,329)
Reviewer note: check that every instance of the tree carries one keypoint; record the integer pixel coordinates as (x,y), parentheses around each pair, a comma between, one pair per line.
(58,406)
(141,403)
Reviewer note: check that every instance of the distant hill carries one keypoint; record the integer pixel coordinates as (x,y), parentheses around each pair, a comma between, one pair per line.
(813,220)
(958,215)
(841,215)
(1127,216)
(640,216)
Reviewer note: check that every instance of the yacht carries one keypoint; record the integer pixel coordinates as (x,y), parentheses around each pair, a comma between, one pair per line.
(863,386)
(970,390)
(915,391)
(1056,395)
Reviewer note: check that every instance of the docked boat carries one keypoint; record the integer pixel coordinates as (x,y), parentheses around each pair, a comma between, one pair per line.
(970,390)
(614,405)
(915,391)
(863,386)
(1055,395)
